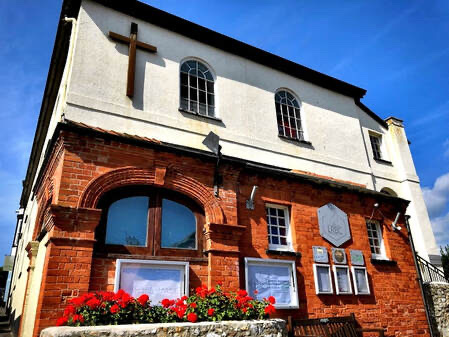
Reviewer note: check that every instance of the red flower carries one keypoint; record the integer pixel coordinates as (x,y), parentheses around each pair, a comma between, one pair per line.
(78,318)
(192,317)
(166,303)
(245,310)
(184,298)
(143,299)
(93,303)
(193,305)
(271,299)
(180,311)
(255,292)
(61,321)
(270,309)
(114,309)
(70,310)
(211,311)
(242,293)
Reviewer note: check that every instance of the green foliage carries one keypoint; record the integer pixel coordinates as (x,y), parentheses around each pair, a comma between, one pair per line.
(445,260)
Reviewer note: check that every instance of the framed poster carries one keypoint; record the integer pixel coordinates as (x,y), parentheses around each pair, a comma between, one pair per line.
(157,279)
(360,278)
(323,279)
(275,278)
(342,280)
(320,254)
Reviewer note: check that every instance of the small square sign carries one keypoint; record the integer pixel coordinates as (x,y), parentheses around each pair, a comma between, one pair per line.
(339,255)
(320,254)
(357,257)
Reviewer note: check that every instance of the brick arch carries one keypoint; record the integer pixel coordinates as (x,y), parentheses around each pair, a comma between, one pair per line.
(175,181)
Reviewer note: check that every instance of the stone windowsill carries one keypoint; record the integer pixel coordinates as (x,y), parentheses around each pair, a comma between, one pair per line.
(283,253)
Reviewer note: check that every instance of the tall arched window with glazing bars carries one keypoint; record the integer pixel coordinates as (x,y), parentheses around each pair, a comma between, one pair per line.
(288,115)
(197,88)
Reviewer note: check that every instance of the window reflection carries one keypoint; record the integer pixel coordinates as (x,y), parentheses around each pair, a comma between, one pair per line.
(127,222)
(178,226)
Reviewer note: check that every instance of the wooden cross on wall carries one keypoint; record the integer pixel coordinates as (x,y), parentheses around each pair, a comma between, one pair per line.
(133,45)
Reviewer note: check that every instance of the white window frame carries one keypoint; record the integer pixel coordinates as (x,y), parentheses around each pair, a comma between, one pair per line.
(179,265)
(289,246)
(315,275)
(337,289)
(380,238)
(354,279)
(294,304)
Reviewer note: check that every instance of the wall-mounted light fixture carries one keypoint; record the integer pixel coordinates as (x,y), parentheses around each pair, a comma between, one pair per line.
(250,201)
(212,143)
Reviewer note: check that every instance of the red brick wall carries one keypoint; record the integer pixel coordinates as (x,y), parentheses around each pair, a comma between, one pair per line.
(92,166)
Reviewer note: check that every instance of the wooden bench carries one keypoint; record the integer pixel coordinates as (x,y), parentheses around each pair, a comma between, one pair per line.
(329,327)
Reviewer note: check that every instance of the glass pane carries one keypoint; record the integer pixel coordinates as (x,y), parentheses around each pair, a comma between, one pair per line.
(184,104)
(201,84)
(193,94)
(274,230)
(283,241)
(270,280)
(203,110)
(281,222)
(127,222)
(275,240)
(192,81)
(272,211)
(342,280)
(184,91)
(202,96)
(185,67)
(210,99)
(361,281)
(324,282)
(282,231)
(178,226)
(184,79)
(281,212)
(210,87)
(157,281)
(211,111)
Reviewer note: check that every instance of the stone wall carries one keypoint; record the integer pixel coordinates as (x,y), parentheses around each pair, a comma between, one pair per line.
(267,328)
(438,300)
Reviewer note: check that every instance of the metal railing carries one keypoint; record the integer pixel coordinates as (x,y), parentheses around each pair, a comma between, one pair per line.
(429,272)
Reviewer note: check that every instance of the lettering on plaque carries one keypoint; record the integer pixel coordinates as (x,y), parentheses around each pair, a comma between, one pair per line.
(334,225)
(320,254)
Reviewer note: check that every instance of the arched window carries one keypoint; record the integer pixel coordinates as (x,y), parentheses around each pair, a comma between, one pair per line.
(149,221)
(288,115)
(197,88)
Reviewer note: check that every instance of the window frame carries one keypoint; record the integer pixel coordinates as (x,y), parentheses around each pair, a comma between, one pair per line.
(181,265)
(213,93)
(354,279)
(380,238)
(337,289)
(279,247)
(318,291)
(300,131)
(154,223)
(293,281)
(381,144)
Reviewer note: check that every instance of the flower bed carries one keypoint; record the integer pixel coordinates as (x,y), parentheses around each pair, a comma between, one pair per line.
(108,308)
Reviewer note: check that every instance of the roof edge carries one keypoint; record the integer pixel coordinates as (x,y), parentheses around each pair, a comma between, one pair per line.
(371,113)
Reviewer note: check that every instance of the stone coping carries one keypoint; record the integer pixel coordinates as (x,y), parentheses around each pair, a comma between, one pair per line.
(268,328)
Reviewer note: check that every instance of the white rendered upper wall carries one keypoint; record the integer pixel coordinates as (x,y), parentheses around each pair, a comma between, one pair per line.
(244,99)
(244,93)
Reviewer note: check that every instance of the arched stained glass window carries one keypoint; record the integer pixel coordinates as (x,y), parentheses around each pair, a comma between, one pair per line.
(197,88)
(288,115)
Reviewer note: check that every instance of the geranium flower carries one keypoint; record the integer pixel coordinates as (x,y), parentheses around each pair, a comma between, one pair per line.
(270,309)
(143,299)
(166,302)
(70,310)
(271,299)
(242,293)
(78,318)
(210,311)
(93,303)
(62,321)
(114,309)
(192,317)
(193,305)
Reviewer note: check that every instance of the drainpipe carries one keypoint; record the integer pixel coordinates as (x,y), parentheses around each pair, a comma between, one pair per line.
(418,271)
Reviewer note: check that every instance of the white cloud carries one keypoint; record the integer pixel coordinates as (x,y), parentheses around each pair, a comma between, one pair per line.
(437,197)
(440,226)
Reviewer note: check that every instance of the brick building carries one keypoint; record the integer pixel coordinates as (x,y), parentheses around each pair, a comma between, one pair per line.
(305,201)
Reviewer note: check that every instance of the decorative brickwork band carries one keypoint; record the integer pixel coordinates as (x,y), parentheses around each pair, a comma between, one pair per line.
(171,179)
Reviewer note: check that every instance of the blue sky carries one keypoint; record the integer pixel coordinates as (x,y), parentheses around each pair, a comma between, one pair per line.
(397,50)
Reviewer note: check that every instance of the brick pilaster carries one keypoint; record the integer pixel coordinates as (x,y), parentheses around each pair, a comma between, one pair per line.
(71,237)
